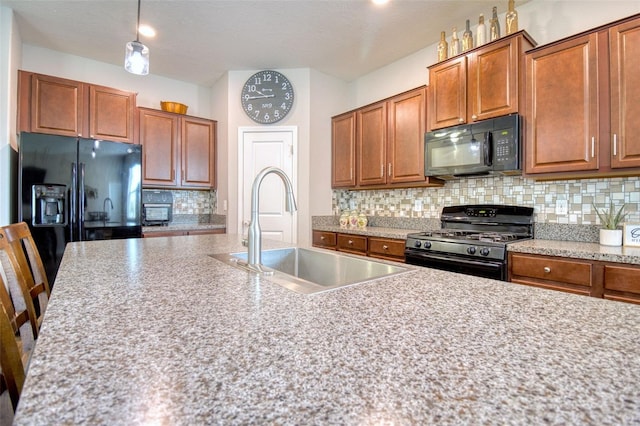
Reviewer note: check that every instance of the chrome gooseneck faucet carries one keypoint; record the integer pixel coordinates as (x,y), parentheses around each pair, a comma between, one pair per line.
(255,237)
(104,208)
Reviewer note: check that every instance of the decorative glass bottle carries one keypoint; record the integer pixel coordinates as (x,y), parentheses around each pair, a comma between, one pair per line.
(467,38)
(481,32)
(454,48)
(511,19)
(494,26)
(443,47)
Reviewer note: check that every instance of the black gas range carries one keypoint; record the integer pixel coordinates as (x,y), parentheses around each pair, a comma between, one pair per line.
(472,240)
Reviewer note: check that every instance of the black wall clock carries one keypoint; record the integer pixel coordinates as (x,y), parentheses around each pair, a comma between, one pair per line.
(267,97)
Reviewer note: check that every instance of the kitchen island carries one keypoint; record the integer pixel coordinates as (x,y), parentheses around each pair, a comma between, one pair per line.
(156,331)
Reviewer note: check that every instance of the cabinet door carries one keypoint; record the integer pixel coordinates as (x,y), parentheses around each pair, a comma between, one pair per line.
(624,42)
(111,113)
(405,152)
(622,282)
(371,139)
(198,153)
(493,80)
(570,275)
(448,93)
(324,239)
(57,105)
(343,151)
(562,107)
(348,243)
(159,139)
(385,248)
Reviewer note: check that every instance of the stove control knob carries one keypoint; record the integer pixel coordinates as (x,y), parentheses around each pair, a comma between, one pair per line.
(427,244)
(471,250)
(485,251)
(417,244)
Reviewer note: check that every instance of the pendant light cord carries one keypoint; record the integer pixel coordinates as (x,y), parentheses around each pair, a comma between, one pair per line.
(138,26)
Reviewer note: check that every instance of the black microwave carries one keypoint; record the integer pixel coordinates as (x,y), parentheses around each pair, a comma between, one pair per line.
(485,147)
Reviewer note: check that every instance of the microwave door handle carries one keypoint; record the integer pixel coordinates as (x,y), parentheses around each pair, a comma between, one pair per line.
(488,148)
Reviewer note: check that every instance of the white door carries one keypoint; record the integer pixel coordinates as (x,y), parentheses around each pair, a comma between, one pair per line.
(263,147)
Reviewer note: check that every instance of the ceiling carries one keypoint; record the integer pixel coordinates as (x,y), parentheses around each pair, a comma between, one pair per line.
(199,40)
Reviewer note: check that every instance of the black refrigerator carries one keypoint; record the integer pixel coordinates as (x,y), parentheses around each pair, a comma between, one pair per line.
(76,189)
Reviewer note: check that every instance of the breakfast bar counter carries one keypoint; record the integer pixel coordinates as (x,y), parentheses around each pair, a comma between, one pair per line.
(155,331)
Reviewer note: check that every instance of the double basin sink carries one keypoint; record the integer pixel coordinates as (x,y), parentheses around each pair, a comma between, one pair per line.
(312,271)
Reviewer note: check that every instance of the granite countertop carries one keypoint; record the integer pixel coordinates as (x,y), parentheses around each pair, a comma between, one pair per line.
(182,227)
(369,231)
(156,331)
(578,250)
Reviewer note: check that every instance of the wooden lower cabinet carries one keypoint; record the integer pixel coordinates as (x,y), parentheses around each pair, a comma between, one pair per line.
(622,282)
(324,239)
(614,281)
(382,248)
(180,233)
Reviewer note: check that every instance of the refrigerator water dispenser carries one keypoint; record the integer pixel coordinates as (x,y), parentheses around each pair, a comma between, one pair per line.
(49,201)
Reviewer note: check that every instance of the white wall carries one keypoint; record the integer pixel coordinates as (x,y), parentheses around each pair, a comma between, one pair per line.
(151,88)
(10,54)
(544,20)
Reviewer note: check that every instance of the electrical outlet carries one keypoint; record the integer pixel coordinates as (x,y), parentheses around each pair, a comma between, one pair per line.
(417,205)
(562,207)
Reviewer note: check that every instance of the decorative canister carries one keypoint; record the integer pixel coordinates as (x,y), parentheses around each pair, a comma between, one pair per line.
(353,219)
(344,220)
(362,220)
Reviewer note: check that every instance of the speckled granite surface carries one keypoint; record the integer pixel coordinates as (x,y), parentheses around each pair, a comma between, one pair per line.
(154,331)
(182,227)
(579,250)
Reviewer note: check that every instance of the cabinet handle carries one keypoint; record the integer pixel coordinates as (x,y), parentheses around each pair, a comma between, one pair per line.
(461,120)
(351,173)
(389,170)
(385,247)
(173,174)
(322,237)
(615,144)
(475,117)
(546,269)
(593,146)
(381,170)
(350,242)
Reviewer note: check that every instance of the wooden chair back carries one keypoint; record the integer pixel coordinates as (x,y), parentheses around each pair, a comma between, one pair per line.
(30,263)
(12,374)
(18,285)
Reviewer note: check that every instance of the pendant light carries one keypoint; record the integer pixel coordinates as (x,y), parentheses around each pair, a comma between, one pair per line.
(136,57)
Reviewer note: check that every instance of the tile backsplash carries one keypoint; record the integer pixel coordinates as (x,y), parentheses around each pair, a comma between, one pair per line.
(511,190)
(194,202)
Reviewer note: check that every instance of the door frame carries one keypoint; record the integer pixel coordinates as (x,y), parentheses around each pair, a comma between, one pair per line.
(242,130)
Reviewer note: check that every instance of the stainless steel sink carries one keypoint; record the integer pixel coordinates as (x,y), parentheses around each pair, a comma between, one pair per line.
(311,271)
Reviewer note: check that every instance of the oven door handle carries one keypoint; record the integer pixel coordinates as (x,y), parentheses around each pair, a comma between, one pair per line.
(425,256)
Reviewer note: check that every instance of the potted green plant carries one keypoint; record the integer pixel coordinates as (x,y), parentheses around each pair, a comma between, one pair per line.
(610,219)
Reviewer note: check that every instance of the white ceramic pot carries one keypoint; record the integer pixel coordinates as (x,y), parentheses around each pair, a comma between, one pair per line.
(611,237)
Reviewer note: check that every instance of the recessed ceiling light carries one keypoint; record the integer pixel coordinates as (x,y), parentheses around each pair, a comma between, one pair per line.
(147,31)
(380,2)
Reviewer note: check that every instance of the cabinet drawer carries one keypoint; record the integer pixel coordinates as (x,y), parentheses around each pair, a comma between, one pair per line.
(324,239)
(545,268)
(352,243)
(386,248)
(622,283)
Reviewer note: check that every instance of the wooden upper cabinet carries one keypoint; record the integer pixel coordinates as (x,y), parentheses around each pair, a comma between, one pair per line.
(177,150)
(562,107)
(56,105)
(405,141)
(343,150)
(448,93)
(582,104)
(198,152)
(159,133)
(111,114)
(65,107)
(485,82)
(371,143)
(493,80)
(624,42)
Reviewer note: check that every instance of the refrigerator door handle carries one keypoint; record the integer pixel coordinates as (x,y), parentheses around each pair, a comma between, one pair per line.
(74,202)
(81,200)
